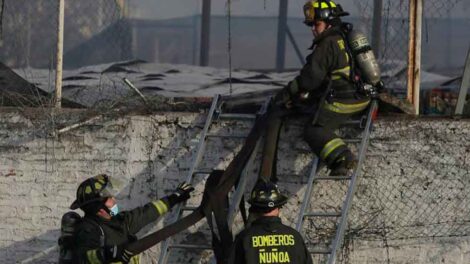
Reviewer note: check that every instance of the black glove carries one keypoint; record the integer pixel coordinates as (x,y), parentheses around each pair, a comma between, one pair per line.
(181,194)
(118,253)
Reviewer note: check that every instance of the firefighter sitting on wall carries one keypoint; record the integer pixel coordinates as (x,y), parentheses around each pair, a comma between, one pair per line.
(326,86)
(104,232)
(267,240)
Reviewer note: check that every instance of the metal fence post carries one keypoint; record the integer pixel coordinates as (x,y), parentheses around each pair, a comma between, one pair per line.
(281,36)
(60,54)
(205,33)
(377,27)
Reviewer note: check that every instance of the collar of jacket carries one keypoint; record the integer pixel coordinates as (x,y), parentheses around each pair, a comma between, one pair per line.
(335,30)
(267,220)
(329,32)
(103,220)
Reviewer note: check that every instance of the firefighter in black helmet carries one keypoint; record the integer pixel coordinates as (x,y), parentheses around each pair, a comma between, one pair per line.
(325,86)
(267,240)
(104,232)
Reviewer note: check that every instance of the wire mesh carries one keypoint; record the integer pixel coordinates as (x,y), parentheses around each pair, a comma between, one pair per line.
(98,32)
(414,200)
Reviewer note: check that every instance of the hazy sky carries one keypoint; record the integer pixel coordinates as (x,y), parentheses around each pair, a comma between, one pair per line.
(163,9)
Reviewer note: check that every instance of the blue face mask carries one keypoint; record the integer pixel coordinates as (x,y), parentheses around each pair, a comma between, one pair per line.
(114,210)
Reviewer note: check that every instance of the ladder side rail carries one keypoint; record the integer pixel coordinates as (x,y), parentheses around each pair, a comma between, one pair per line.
(349,196)
(196,159)
(307,195)
(202,140)
(240,189)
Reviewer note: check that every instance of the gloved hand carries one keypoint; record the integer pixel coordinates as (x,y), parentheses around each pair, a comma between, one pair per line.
(118,253)
(181,194)
(183,190)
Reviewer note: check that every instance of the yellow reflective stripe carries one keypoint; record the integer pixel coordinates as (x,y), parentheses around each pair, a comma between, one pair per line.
(135,260)
(324,5)
(92,256)
(341,44)
(346,108)
(161,207)
(344,70)
(330,146)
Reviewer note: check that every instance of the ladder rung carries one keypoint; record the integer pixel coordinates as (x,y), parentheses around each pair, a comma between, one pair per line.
(189,208)
(190,246)
(352,140)
(323,214)
(320,251)
(238,116)
(332,178)
(352,122)
(227,136)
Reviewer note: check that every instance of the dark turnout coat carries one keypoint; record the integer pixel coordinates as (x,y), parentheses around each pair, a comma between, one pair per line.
(94,232)
(269,241)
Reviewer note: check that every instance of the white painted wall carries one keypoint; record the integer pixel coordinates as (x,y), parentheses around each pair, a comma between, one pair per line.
(415,180)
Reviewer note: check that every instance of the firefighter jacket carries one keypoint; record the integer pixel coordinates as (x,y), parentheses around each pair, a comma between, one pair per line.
(94,232)
(329,61)
(269,241)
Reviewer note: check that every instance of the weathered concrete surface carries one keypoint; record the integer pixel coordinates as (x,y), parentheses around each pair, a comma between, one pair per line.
(414,182)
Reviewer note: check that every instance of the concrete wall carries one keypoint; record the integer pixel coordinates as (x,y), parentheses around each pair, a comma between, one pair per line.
(414,181)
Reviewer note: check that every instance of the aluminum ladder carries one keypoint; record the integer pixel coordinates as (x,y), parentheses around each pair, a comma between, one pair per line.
(214,115)
(340,217)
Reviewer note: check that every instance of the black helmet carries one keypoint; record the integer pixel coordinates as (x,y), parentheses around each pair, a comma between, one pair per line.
(324,10)
(94,189)
(266,195)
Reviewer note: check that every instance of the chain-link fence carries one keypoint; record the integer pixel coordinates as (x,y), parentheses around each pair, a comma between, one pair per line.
(421,192)
(101,34)
(30,31)
(161,31)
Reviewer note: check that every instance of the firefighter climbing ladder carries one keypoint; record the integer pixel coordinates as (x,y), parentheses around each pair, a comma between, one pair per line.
(341,216)
(215,113)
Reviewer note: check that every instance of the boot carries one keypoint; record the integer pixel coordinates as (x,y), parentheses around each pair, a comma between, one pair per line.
(343,164)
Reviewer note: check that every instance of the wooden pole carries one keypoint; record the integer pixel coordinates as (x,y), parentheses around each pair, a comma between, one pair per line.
(124,7)
(414,53)
(60,54)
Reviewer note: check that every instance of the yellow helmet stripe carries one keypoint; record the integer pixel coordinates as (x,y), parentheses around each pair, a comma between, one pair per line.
(324,5)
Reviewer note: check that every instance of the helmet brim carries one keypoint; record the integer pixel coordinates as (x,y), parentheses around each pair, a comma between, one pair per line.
(342,14)
(76,204)
(272,204)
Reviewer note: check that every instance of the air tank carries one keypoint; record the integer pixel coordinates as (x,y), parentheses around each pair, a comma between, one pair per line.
(364,57)
(66,240)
